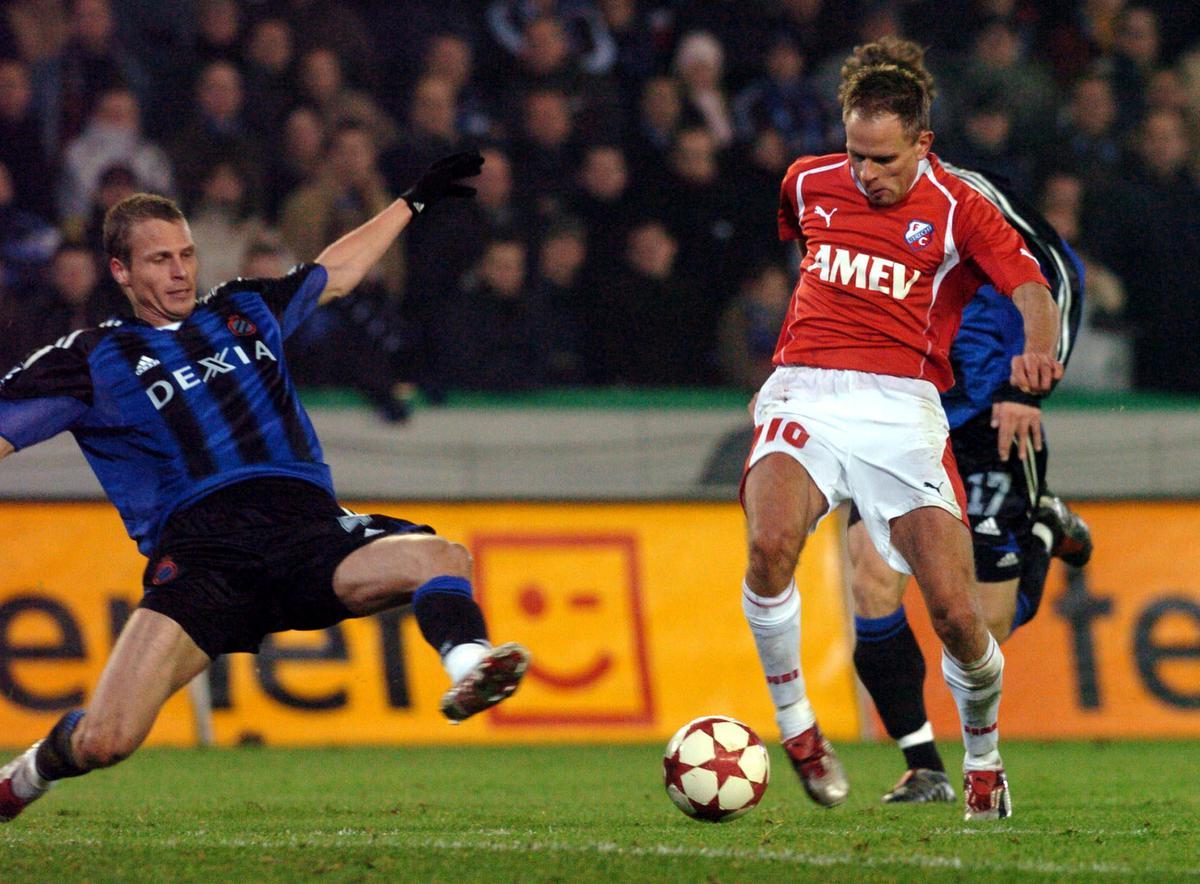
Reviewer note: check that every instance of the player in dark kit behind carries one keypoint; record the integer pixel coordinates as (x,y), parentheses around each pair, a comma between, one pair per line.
(1016,523)
(188,417)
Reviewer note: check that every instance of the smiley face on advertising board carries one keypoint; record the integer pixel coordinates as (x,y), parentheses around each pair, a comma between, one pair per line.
(575,601)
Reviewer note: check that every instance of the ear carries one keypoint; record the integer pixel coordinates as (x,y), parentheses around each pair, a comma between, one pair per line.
(924,143)
(119,272)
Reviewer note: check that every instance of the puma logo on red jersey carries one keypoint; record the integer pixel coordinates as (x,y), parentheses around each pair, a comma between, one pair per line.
(861,271)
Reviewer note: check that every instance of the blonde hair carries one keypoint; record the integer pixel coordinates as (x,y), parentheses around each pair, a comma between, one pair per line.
(120,219)
(888,77)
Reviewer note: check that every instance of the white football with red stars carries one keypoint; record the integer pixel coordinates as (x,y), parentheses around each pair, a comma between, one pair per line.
(715,768)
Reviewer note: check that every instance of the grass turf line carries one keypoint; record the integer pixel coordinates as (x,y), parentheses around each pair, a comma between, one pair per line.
(1083,811)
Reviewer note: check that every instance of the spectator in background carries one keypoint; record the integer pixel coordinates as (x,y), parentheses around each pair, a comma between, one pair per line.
(265,258)
(784,101)
(450,58)
(586,34)
(548,64)
(758,169)
(70,300)
(454,246)
(299,159)
(27,241)
(558,302)
(1134,58)
(1167,90)
(224,224)
(116,183)
(67,85)
(447,246)
(999,66)
(113,136)
(218,130)
(1082,36)
(643,318)
(485,338)
(219,33)
(1189,67)
(814,25)
(432,132)
(332,24)
(544,152)
(348,191)
(1146,227)
(545,61)
(1087,138)
(881,19)
(986,142)
(659,119)
(698,208)
(749,328)
(21,149)
(699,63)
(606,205)
(636,59)
(270,84)
(33,30)
(1101,358)
(323,86)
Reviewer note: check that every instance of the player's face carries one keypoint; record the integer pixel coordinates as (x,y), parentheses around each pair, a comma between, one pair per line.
(883,156)
(160,279)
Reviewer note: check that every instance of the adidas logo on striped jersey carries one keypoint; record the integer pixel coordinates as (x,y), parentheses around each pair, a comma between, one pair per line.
(988,526)
(145,364)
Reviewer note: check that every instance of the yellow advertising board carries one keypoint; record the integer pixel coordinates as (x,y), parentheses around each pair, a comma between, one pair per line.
(1115,648)
(632,612)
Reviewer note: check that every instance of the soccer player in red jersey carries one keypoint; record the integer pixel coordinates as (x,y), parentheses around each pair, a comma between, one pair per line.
(893,247)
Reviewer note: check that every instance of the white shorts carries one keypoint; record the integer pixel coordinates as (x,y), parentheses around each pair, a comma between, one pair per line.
(879,440)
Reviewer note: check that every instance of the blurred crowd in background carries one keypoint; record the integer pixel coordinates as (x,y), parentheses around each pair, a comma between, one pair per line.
(624,231)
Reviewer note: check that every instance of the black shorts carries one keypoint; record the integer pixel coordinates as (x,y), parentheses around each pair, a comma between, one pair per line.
(1001,498)
(254,558)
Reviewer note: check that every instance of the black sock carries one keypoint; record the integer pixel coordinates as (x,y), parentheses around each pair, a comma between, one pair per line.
(54,759)
(1035,565)
(891,667)
(923,755)
(447,613)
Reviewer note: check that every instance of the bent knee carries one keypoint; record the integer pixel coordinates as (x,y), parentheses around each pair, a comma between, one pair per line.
(446,557)
(954,621)
(775,549)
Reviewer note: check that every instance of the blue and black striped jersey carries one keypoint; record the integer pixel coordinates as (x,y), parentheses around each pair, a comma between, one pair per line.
(168,415)
(992,331)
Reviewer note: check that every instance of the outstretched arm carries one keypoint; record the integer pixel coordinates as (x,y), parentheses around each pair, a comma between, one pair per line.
(349,259)
(1036,370)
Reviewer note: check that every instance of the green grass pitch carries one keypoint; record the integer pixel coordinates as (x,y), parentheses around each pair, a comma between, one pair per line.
(1082,811)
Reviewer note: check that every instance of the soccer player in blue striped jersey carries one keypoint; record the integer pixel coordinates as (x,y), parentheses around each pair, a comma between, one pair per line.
(189,419)
(1016,523)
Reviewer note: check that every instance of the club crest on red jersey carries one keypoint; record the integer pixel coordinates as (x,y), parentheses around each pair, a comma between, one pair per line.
(919,233)
(240,325)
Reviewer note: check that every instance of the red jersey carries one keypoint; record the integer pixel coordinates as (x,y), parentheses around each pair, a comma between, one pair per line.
(882,288)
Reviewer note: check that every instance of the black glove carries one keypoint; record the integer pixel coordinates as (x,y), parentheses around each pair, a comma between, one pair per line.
(442,180)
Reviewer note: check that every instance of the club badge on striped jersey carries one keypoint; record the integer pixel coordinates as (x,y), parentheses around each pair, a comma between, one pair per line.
(240,325)
(165,570)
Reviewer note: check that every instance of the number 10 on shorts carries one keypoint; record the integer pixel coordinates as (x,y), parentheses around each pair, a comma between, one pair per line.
(791,432)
